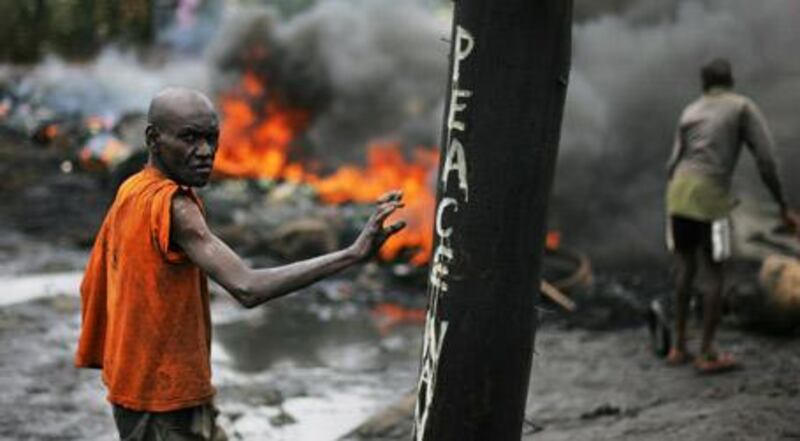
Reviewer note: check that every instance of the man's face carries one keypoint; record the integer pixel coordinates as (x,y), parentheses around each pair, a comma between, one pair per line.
(185,143)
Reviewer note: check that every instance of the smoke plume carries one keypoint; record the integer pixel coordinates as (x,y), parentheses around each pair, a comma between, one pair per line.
(633,72)
(377,68)
(365,69)
(112,83)
(369,69)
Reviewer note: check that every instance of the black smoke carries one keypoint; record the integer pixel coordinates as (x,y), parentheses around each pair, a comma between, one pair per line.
(364,69)
(633,72)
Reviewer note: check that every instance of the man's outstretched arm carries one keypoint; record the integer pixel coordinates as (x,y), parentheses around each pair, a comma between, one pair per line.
(252,287)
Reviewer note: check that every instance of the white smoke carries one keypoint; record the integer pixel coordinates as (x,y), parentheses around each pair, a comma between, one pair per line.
(122,80)
(113,82)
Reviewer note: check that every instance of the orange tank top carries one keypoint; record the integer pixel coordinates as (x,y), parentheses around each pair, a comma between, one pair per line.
(145,306)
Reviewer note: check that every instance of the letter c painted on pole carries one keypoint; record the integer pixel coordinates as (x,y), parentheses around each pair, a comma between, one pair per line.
(446,202)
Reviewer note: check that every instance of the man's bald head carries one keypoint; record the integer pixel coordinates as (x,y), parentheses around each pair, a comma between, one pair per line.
(178,102)
(182,134)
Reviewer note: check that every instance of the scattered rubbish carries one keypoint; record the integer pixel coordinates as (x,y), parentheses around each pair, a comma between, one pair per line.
(557,296)
(530,427)
(608,410)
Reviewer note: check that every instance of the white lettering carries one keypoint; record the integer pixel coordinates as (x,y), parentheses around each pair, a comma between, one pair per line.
(456,160)
(455,106)
(441,257)
(432,349)
(446,202)
(462,51)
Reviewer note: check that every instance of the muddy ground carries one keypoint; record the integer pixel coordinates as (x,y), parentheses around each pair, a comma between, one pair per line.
(607,386)
(295,370)
(315,366)
(586,385)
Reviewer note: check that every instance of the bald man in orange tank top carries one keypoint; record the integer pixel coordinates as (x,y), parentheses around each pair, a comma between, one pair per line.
(145,307)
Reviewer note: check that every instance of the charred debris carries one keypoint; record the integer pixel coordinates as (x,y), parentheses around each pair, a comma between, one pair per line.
(62,170)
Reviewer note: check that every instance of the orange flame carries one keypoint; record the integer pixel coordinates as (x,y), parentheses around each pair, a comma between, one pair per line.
(51,131)
(5,108)
(256,142)
(387,170)
(553,240)
(389,315)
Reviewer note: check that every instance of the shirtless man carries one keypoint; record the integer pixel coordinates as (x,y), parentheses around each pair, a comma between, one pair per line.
(145,306)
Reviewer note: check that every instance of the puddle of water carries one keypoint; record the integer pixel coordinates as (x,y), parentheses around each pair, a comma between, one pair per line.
(288,371)
(26,288)
(317,418)
(339,337)
(334,366)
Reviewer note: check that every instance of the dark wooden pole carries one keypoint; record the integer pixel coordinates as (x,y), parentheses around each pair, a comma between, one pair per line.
(508,77)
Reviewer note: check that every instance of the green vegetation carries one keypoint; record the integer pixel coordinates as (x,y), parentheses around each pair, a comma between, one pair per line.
(73,29)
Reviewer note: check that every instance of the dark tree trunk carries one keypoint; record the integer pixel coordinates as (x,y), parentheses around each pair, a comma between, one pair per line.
(508,77)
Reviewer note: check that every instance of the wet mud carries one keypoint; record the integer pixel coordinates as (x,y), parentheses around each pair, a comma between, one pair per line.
(608,386)
(305,370)
(296,370)
(315,366)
